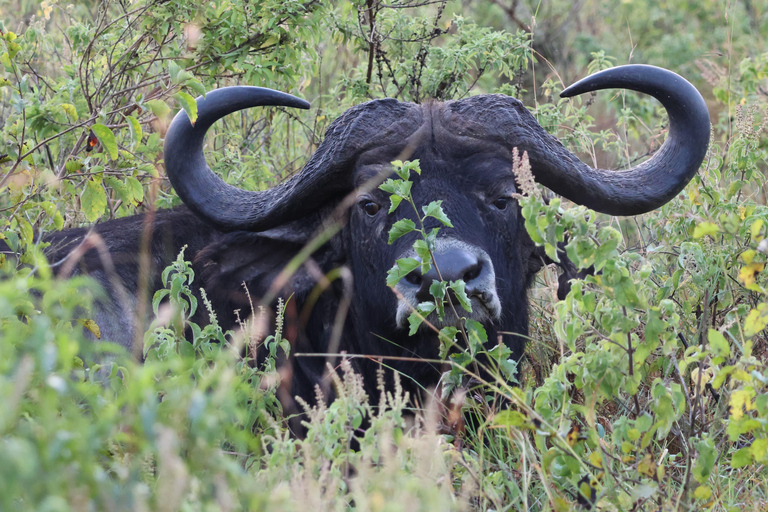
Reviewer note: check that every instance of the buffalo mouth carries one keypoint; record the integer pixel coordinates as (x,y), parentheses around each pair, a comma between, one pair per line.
(455,260)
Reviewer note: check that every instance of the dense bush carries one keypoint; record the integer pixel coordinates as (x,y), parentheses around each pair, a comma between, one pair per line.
(645,389)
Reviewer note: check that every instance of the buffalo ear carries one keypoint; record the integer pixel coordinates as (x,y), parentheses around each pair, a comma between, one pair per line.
(539,259)
(240,259)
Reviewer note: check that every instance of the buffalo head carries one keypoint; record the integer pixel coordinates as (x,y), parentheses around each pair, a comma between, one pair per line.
(465,148)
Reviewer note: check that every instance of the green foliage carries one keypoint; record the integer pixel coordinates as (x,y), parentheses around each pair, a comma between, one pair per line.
(83,127)
(666,334)
(109,432)
(196,426)
(644,389)
(409,59)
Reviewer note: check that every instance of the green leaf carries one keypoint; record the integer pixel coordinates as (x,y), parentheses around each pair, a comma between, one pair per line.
(135,127)
(609,243)
(186,349)
(551,252)
(390,186)
(756,321)
(447,337)
(94,200)
(702,492)
(705,462)
(438,289)
(184,77)
(137,190)
(400,228)
(759,450)
(422,251)
(26,231)
(394,202)
(159,108)
(49,208)
(509,418)
(435,210)
(5,60)
(13,49)
(448,334)
(196,86)
(719,344)
(107,139)
(431,237)
(415,319)
(741,458)
(158,298)
(397,187)
(705,228)
(644,422)
(664,408)
(402,268)
(120,188)
(461,294)
(91,326)
(404,169)
(149,169)
(73,165)
(173,71)
(70,110)
(502,356)
(477,336)
(189,105)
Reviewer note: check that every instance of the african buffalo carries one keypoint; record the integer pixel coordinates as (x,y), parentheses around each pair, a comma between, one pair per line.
(465,149)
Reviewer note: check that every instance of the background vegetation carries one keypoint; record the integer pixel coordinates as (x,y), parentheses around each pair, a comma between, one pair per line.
(644,390)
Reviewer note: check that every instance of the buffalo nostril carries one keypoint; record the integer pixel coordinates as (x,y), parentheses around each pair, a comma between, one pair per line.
(414,278)
(473,272)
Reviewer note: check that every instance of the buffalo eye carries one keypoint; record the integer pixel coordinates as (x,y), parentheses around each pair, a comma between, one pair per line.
(501,203)
(370,207)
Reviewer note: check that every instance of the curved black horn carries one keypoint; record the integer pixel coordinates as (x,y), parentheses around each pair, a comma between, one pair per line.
(650,184)
(226,207)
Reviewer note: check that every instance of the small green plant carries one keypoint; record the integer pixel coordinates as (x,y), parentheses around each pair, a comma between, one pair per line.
(461,343)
